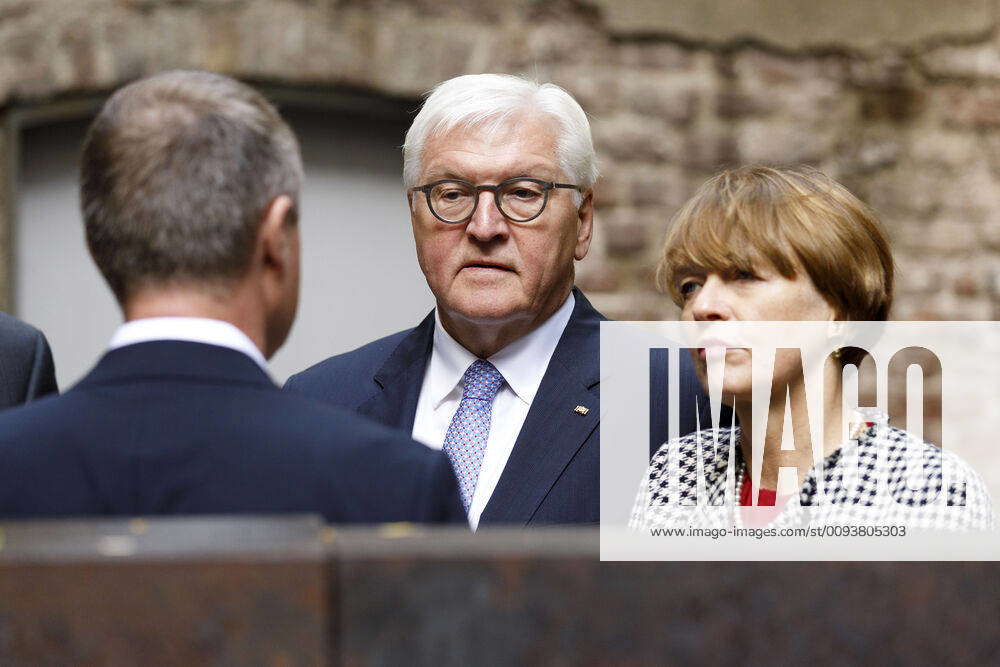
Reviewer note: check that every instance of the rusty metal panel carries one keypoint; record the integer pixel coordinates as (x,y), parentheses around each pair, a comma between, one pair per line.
(173,592)
(542,598)
(294,592)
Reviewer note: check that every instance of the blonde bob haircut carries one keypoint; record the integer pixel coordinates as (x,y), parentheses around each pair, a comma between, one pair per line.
(793,219)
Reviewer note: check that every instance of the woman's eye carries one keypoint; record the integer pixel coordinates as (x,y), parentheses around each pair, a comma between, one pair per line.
(687,288)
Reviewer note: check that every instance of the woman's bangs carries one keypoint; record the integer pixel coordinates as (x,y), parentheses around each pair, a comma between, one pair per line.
(712,243)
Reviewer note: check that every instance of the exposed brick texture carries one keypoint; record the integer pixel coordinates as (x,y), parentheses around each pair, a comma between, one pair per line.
(913,128)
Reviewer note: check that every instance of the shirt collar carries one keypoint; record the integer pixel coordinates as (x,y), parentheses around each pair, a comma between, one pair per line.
(192,329)
(522,363)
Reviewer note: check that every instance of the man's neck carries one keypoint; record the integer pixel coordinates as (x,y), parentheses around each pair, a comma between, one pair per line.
(486,338)
(188,303)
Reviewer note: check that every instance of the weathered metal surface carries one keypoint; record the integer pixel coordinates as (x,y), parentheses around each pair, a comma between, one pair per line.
(174,592)
(437,599)
(290,592)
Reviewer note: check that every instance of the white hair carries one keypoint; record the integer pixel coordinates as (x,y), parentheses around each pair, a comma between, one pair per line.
(494,101)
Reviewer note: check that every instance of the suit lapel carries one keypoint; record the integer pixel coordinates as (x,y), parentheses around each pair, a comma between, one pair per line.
(400,379)
(553,431)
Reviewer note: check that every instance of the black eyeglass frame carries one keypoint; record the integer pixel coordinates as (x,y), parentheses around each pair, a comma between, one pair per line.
(547,186)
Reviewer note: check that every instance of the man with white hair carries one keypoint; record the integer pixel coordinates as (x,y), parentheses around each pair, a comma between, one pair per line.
(503,375)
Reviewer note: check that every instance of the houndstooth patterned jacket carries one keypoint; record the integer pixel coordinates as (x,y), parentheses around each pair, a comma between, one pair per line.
(885,477)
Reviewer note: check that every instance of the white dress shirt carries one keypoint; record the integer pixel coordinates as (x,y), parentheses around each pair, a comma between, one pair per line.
(522,364)
(192,329)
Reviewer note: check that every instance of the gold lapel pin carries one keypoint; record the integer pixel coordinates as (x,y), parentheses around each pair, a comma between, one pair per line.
(581,410)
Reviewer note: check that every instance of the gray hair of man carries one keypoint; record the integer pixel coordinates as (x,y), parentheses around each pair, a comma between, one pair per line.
(494,101)
(177,172)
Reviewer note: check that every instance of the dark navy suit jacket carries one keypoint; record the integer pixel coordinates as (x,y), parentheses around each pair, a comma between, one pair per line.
(26,369)
(552,475)
(170,427)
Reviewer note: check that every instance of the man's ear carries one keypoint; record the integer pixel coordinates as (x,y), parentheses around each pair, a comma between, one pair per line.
(275,238)
(584,233)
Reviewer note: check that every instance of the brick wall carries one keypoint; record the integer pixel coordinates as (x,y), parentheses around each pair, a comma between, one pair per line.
(901,103)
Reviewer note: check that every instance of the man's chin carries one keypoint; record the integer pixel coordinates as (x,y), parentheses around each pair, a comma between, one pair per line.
(485,307)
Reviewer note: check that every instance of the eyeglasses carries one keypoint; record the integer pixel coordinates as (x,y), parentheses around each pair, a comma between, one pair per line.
(518,199)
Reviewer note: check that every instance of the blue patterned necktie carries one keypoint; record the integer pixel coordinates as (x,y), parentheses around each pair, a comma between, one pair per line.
(465,441)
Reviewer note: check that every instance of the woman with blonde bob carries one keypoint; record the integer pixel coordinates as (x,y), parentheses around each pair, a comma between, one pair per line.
(790,244)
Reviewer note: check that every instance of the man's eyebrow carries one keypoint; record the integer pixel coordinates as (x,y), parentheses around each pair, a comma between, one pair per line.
(438,174)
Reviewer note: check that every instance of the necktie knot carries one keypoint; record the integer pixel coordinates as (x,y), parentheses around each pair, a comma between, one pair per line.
(482,380)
